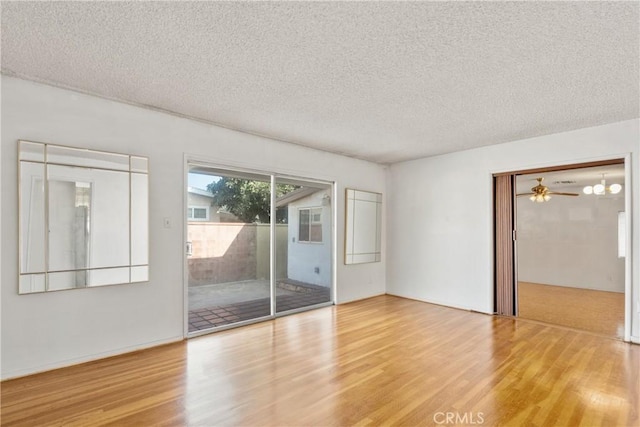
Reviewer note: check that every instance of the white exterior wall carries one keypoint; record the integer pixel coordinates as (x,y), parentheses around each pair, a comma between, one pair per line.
(440,213)
(199,201)
(49,330)
(304,257)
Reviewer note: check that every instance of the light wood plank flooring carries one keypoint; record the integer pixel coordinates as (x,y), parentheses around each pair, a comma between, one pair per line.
(381,361)
(596,311)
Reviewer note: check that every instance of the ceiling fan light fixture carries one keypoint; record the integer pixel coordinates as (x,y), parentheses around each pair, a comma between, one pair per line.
(602,189)
(541,193)
(598,189)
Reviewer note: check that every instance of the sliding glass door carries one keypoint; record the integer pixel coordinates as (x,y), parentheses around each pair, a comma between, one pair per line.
(257,246)
(303,238)
(228,248)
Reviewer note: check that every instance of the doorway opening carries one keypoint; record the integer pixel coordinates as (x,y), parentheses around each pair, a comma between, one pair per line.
(258,246)
(561,246)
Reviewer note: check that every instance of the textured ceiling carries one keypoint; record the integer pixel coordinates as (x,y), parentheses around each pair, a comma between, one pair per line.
(382,81)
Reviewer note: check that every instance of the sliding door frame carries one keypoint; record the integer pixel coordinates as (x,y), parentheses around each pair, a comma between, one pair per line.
(200,161)
(624,159)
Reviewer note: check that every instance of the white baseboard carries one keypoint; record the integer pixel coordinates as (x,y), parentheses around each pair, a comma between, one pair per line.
(358,298)
(78,360)
(443,303)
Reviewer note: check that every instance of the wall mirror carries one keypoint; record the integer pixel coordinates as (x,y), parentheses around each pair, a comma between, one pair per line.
(363,230)
(83,218)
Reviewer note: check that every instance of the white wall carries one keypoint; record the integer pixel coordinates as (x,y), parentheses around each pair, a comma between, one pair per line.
(44,331)
(571,241)
(440,213)
(304,257)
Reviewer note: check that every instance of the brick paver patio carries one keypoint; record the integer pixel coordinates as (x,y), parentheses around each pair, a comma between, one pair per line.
(217,315)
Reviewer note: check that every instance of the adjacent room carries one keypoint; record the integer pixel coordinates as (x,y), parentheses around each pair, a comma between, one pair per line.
(571,248)
(320,213)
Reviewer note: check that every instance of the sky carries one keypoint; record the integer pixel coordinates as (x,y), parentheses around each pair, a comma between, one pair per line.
(201,181)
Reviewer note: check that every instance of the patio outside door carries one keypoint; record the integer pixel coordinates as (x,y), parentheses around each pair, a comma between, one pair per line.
(303,242)
(258,246)
(228,248)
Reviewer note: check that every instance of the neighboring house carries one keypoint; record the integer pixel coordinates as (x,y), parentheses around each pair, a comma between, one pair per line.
(309,235)
(200,207)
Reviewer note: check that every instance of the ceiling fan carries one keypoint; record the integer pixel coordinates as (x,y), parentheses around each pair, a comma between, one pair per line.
(540,193)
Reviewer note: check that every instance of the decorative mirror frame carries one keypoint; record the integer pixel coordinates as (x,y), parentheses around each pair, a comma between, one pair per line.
(94,249)
(363,227)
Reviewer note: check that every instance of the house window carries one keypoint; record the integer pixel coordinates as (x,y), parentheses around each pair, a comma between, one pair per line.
(310,226)
(198,213)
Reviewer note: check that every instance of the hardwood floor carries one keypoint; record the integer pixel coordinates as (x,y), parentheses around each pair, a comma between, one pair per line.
(596,311)
(381,361)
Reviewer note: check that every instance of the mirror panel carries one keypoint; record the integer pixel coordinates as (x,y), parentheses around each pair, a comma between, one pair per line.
(62,280)
(140,274)
(31,151)
(139,215)
(86,158)
(107,276)
(139,164)
(30,283)
(69,225)
(110,220)
(96,213)
(88,218)
(32,218)
(363,230)
(364,227)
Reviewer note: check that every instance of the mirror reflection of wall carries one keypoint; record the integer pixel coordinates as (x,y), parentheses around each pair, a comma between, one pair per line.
(69,219)
(363,231)
(83,218)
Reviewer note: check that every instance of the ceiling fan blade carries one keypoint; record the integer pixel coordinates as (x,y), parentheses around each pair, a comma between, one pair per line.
(563,194)
(525,194)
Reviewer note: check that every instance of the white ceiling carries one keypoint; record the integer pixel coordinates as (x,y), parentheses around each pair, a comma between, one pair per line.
(382,81)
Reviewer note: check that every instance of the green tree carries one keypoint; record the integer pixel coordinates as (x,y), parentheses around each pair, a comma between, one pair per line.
(249,200)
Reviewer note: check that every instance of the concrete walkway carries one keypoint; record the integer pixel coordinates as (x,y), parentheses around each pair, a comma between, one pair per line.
(204,296)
